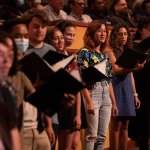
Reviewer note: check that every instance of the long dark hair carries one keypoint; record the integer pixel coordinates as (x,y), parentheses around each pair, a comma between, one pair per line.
(88,38)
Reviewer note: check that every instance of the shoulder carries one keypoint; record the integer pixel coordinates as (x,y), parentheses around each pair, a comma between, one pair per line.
(87,18)
(50,47)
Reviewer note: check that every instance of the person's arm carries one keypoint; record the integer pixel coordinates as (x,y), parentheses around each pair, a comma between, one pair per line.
(77,118)
(49,129)
(15,139)
(89,102)
(119,70)
(112,97)
(136,99)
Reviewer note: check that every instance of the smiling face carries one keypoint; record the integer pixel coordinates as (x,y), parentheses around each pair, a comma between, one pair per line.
(58,41)
(100,35)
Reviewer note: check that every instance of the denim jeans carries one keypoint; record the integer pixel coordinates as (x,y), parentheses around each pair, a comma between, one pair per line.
(99,122)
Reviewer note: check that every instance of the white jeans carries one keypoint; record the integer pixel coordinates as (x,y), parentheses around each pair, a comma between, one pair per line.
(99,122)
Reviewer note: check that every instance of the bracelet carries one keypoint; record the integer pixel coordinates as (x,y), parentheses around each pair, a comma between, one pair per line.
(135,94)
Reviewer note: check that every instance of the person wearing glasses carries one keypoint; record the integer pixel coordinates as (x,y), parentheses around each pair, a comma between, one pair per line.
(77,11)
(54,10)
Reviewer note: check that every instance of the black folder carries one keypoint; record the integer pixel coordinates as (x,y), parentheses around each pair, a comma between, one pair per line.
(53,57)
(130,57)
(143,46)
(95,73)
(49,96)
(32,65)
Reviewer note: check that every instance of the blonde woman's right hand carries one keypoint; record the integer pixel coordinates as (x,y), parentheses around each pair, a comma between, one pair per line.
(90,108)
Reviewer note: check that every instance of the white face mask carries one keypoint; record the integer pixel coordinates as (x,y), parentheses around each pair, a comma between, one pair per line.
(22,44)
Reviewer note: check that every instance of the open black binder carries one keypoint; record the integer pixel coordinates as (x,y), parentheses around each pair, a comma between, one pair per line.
(94,73)
(49,96)
(33,65)
(131,56)
(53,57)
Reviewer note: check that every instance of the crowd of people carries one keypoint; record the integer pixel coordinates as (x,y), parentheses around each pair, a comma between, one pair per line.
(118,103)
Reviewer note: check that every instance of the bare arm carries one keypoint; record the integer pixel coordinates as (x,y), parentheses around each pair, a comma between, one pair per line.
(90,106)
(15,138)
(119,70)
(77,119)
(49,129)
(112,96)
(136,100)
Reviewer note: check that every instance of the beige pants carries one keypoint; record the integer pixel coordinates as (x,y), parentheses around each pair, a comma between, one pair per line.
(33,140)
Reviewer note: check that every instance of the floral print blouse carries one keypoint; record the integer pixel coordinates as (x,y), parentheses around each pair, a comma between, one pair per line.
(88,58)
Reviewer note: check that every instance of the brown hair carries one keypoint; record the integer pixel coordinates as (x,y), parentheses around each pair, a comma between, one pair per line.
(35,12)
(113,40)
(88,38)
(50,34)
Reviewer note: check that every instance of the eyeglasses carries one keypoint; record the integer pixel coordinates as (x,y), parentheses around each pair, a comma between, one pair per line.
(80,4)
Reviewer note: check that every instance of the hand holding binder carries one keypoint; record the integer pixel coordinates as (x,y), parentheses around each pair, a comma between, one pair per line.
(95,73)
(48,97)
(131,56)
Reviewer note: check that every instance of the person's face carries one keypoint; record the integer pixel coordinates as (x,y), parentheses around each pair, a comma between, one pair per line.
(121,7)
(20,31)
(37,30)
(122,36)
(147,8)
(69,35)
(99,6)
(57,4)
(78,6)
(145,32)
(5,59)
(58,41)
(100,35)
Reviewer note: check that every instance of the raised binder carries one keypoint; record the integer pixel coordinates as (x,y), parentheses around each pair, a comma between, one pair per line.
(95,73)
(33,65)
(49,96)
(53,57)
(130,57)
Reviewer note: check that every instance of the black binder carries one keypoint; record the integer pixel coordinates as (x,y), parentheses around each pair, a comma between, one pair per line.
(32,65)
(49,96)
(130,57)
(53,57)
(95,73)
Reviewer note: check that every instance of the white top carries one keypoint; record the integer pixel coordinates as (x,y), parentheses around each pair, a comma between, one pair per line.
(84,18)
(52,15)
(30,116)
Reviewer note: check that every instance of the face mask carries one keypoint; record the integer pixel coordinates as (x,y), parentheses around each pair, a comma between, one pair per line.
(20,2)
(22,44)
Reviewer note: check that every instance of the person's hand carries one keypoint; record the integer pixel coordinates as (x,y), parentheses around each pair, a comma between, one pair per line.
(137,102)
(90,108)
(77,122)
(139,65)
(38,81)
(114,110)
(51,135)
(69,100)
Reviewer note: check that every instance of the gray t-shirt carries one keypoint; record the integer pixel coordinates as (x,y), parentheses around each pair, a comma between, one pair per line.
(40,51)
